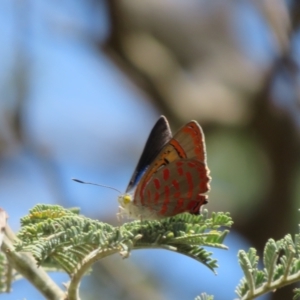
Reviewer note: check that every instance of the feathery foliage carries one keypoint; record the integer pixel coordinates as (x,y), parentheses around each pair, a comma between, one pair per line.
(297,294)
(61,239)
(281,267)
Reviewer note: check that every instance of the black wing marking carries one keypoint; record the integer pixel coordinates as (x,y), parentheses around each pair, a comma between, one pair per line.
(159,136)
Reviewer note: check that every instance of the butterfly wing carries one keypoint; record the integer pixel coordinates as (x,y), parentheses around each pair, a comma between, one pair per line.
(185,153)
(189,142)
(159,136)
(177,188)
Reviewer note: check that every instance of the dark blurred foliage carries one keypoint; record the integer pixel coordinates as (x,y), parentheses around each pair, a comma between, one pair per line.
(198,60)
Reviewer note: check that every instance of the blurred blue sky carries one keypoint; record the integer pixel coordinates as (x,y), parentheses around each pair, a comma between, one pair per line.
(89,122)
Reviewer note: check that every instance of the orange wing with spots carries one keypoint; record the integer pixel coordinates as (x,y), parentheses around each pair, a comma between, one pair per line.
(177,178)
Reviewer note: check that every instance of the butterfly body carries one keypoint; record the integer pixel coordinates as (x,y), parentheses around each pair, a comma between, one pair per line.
(171,176)
(129,208)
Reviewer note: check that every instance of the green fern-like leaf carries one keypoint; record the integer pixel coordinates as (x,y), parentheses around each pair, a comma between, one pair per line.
(281,267)
(248,262)
(61,238)
(43,212)
(271,254)
(297,294)
(297,244)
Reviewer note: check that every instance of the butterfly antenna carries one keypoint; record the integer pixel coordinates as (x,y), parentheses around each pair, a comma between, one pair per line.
(106,186)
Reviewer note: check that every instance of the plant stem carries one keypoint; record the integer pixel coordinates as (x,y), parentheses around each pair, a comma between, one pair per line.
(73,290)
(26,265)
(273,286)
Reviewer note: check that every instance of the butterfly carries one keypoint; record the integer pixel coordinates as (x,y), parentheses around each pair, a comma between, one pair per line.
(171,176)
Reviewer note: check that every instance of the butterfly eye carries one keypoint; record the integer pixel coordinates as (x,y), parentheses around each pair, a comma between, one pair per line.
(126,199)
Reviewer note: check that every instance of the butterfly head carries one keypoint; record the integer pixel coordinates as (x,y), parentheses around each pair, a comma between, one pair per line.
(124,200)
(127,207)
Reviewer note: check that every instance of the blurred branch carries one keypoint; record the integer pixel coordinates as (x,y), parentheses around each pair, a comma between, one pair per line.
(295,14)
(25,264)
(187,61)
(275,128)
(3,218)
(277,15)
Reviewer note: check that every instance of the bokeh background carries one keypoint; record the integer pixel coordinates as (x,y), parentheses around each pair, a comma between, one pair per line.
(83,82)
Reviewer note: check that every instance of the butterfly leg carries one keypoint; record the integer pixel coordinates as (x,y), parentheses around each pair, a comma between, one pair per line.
(121,213)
